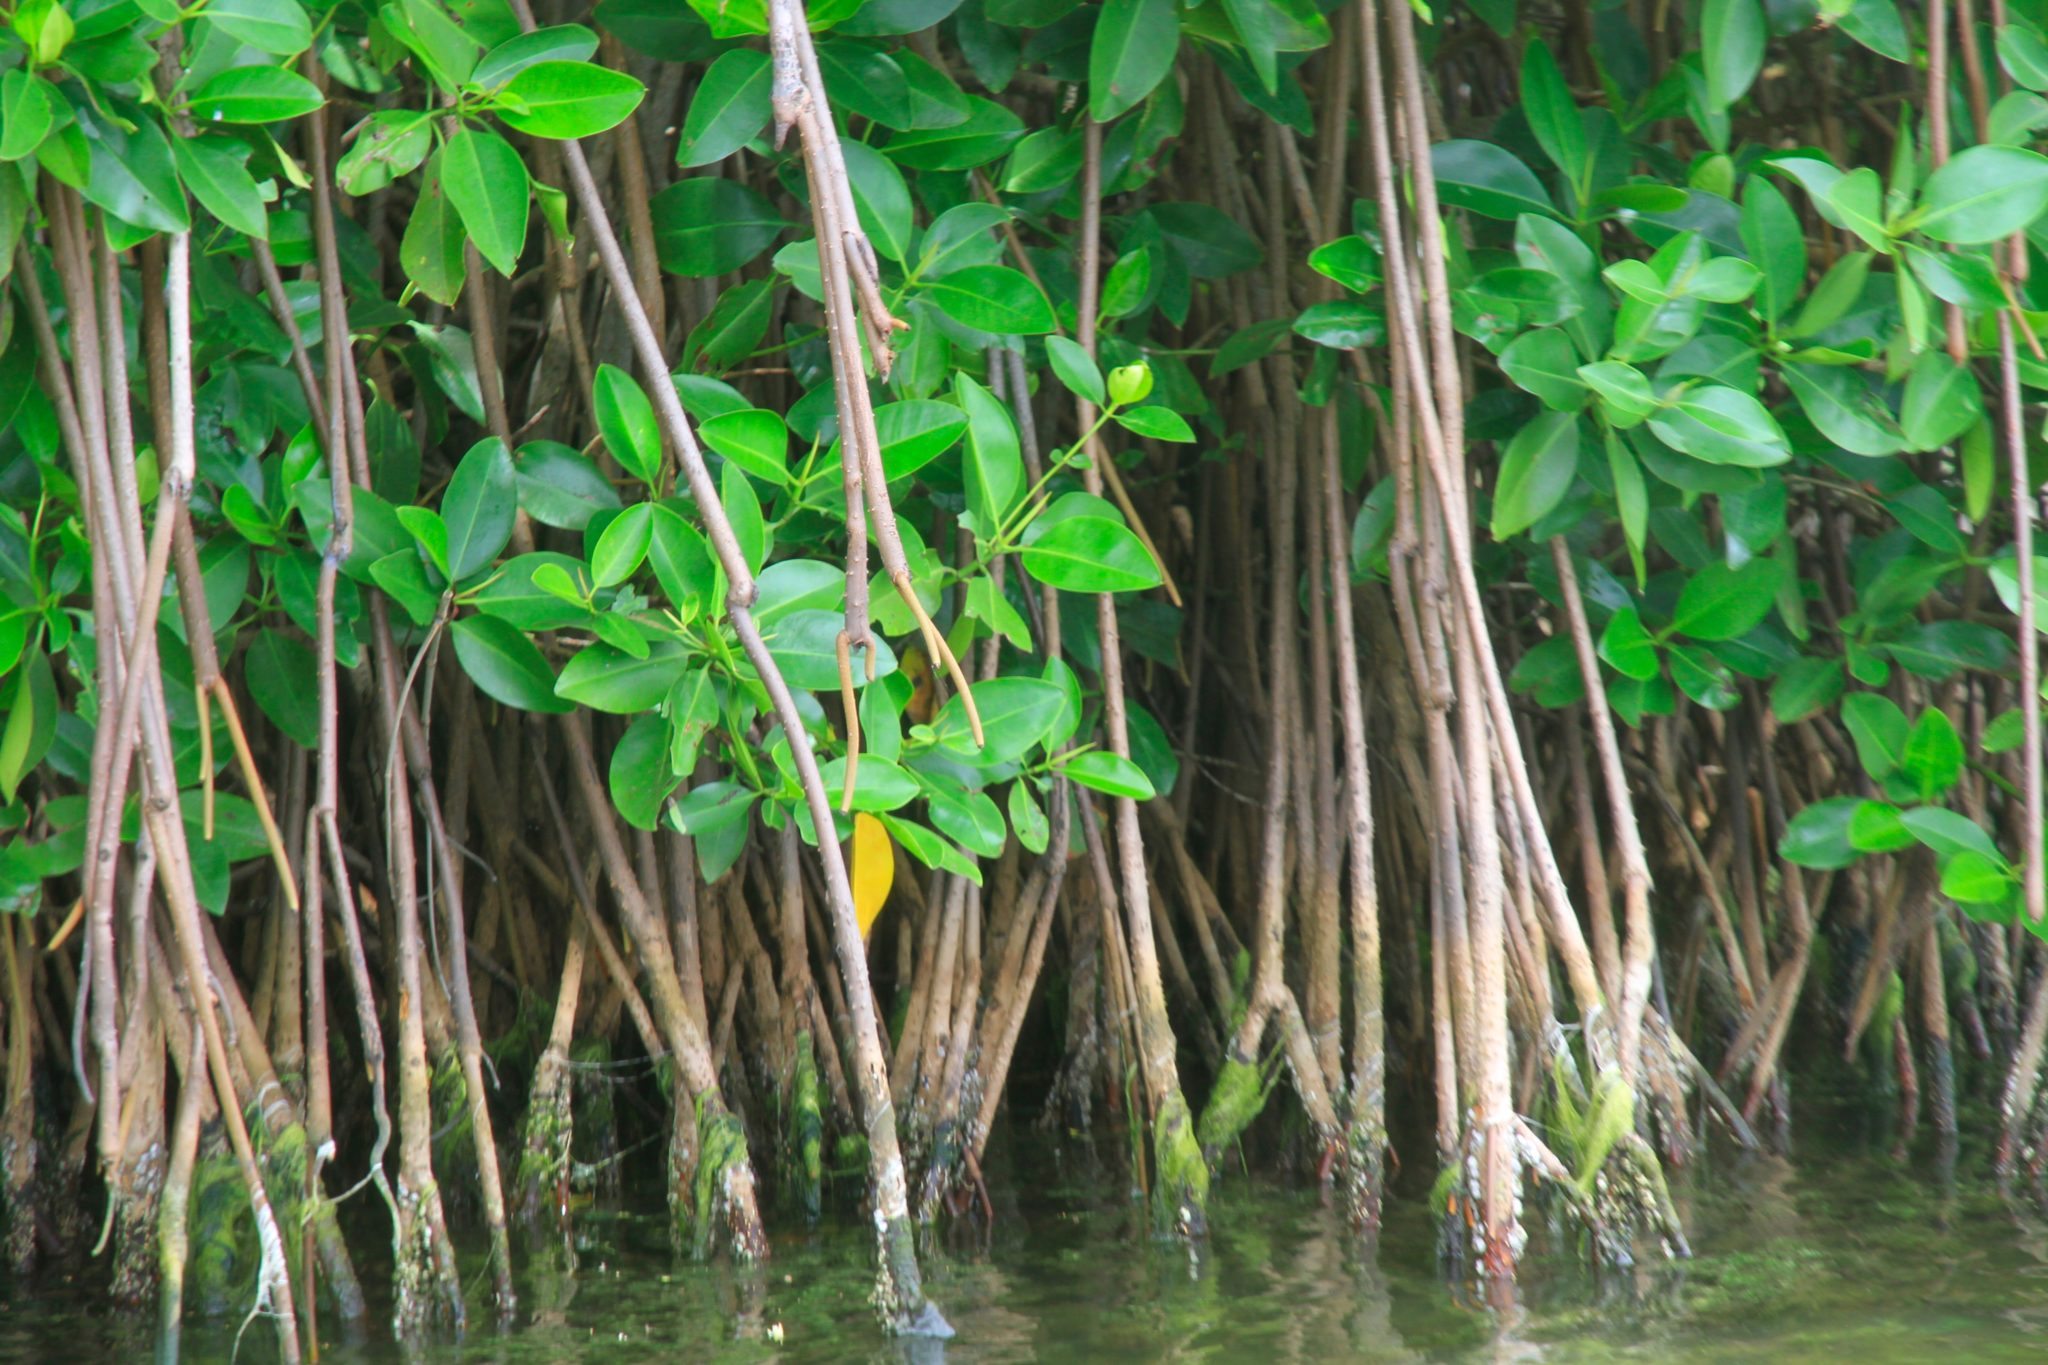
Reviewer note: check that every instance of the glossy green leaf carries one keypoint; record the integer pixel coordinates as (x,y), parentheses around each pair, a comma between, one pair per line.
(730,108)
(1132,50)
(487,183)
(255,94)
(1983,193)
(1722,603)
(993,298)
(625,418)
(505,665)
(709,226)
(1536,471)
(481,502)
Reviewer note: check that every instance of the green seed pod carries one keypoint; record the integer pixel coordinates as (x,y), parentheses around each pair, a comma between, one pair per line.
(1129,384)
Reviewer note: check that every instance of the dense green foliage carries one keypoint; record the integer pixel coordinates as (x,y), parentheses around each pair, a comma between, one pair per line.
(508,405)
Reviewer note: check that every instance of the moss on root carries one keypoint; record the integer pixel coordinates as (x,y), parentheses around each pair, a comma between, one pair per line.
(1180,1195)
(721,1157)
(807,1133)
(546,1136)
(1239,1095)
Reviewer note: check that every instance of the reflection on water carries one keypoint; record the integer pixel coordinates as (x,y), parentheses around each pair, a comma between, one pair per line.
(1829,1259)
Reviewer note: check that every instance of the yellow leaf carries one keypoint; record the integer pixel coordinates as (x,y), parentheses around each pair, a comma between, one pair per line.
(874,869)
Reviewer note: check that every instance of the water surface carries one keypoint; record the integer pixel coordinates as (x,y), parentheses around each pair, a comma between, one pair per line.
(1828,1258)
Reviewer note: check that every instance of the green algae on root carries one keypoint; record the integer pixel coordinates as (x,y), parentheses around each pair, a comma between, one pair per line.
(807,1132)
(721,1160)
(1180,1194)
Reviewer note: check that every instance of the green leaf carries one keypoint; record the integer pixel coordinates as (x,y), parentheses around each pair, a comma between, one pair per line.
(1076,369)
(1088,554)
(1342,324)
(1016,715)
(1721,425)
(1536,471)
(132,175)
(1156,423)
(1624,392)
(1818,837)
(994,464)
(1553,114)
(431,251)
(1880,731)
(929,849)
(1720,603)
(26,115)
(1488,180)
(1933,756)
(1132,50)
(479,507)
(993,298)
(966,817)
(711,807)
(1949,833)
(30,726)
(1627,646)
(2023,55)
(626,421)
(1108,772)
(682,563)
(639,774)
(622,546)
(608,679)
(505,665)
(568,99)
(790,584)
(1875,827)
(430,532)
(1033,830)
(1971,878)
(879,785)
(281,674)
(730,107)
(1981,194)
(1044,160)
(743,510)
(732,329)
(1544,363)
(1703,677)
(488,185)
(561,43)
(916,432)
(1776,244)
(218,181)
(1942,401)
(515,594)
(278,27)
(560,487)
(805,643)
(255,94)
(709,226)
(1840,404)
(1732,34)
(881,199)
(755,439)
(1855,201)
(403,577)
(1804,687)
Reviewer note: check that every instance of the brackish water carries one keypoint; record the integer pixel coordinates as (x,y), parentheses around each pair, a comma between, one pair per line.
(1840,1255)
